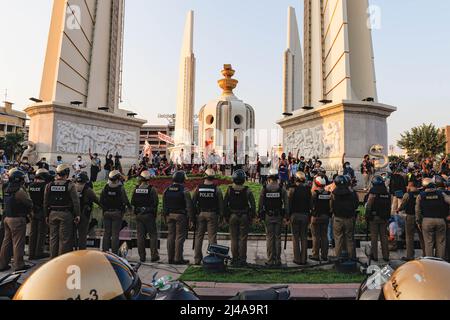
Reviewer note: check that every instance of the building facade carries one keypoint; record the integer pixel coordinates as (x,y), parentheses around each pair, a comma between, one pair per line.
(11,121)
(150,133)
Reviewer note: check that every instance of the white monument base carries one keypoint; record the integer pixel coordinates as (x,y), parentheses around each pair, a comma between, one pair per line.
(330,131)
(62,130)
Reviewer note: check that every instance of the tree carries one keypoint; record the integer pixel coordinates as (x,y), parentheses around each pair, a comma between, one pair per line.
(12,144)
(424,141)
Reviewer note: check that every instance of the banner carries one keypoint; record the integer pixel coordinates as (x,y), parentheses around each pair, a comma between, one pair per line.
(165,138)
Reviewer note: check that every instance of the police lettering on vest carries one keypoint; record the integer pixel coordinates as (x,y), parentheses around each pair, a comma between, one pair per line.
(238,200)
(142,198)
(273,203)
(174,199)
(433,205)
(113,199)
(207,198)
(382,205)
(37,194)
(59,197)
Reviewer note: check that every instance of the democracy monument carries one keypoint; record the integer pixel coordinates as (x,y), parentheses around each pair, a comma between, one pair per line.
(330,102)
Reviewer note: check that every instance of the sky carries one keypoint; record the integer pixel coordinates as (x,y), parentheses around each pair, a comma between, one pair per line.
(411,43)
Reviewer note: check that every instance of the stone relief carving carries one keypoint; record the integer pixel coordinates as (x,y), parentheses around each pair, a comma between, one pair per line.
(323,141)
(79,138)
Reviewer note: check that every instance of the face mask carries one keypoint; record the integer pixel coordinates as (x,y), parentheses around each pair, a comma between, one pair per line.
(79,159)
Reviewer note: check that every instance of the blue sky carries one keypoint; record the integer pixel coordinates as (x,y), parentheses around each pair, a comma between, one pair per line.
(412,54)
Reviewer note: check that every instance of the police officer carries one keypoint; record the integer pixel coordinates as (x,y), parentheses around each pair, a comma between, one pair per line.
(273,207)
(38,231)
(239,212)
(300,210)
(18,207)
(431,214)
(178,209)
(145,202)
(114,202)
(321,213)
(344,203)
(62,209)
(408,205)
(208,208)
(87,198)
(378,212)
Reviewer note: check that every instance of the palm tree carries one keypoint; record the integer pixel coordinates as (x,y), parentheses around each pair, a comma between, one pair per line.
(424,141)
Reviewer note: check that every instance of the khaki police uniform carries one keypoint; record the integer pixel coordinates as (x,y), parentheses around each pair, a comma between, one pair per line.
(18,206)
(239,211)
(408,205)
(208,206)
(273,207)
(178,209)
(114,202)
(38,231)
(378,212)
(87,198)
(61,206)
(431,212)
(344,204)
(300,210)
(321,213)
(145,202)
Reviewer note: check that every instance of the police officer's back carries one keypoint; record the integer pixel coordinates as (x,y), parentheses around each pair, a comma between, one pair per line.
(87,199)
(208,207)
(114,202)
(145,202)
(239,212)
(431,214)
(17,209)
(378,212)
(38,231)
(344,203)
(178,209)
(62,208)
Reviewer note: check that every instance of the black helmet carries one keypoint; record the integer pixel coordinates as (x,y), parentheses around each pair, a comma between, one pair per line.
(340,181)
(82,177)
(179,177)
(43,174)
(239,177)
(377,181)
(17,177)
(439,181)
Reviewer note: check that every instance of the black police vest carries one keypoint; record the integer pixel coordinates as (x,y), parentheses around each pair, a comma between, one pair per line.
(207,198)
(175,200)
(433,205)
(142,197)
(322,203)
(301,202)
(343,205)
(411,205)
(13,208)
(37,191)
(238,199)
(113,199)
(59,197)
(273,200)
(382,205)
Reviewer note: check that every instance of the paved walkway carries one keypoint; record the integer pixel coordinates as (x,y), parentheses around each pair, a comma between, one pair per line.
(256,255)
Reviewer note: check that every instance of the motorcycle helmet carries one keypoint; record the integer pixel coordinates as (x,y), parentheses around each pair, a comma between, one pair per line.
(115,175)
(82,275)
(340,181)
(179,177)
(43,174)
(17,177)
(320,182)
(273,174)
(239,177)
(11,171)
(377,181)
(210,174)
(300,177)
(428,183)
(63,170)
(424,279)
(439,181)
(82,177)
(145,176)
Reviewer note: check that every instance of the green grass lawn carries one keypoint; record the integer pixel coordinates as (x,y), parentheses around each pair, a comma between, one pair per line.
(267,276)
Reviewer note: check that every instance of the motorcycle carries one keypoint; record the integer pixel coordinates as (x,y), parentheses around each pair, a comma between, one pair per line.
(9,285)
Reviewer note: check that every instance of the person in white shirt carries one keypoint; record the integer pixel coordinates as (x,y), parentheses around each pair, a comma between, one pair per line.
(79,165)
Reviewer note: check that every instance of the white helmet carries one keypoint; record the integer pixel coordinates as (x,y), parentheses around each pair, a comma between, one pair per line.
(320,182)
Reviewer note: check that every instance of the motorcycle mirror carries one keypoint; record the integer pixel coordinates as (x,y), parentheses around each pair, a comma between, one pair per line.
(123,250)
